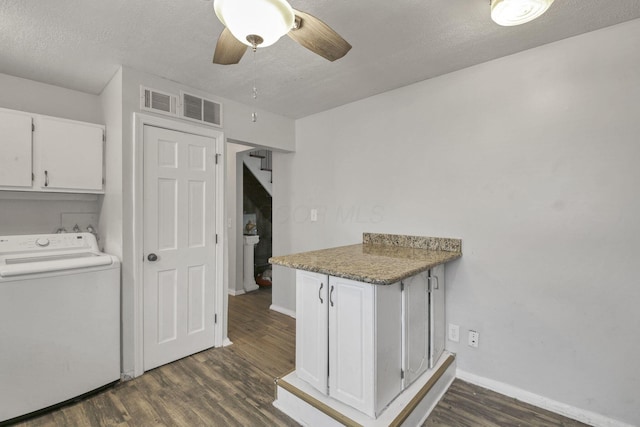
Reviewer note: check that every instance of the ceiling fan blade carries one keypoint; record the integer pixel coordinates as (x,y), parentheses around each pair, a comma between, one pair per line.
(228,49)
(318,37)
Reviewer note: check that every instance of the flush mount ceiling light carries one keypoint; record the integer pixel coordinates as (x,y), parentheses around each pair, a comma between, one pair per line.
(256,22)
(516,12)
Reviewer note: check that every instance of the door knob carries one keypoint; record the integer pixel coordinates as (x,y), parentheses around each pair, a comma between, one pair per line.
(152,257)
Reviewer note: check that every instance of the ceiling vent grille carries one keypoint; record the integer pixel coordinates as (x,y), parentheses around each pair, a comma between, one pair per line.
(201,110)
(157,101)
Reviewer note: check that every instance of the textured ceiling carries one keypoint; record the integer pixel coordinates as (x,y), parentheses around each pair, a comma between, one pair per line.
(79,44)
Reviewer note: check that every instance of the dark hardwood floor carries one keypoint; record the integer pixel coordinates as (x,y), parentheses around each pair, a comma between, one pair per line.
(230,386)
(467,405)
(233,386)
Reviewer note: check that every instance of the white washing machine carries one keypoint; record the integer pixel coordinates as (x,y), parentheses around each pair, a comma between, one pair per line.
(59,320)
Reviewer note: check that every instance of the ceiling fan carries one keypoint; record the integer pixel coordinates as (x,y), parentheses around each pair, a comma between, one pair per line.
(260,23)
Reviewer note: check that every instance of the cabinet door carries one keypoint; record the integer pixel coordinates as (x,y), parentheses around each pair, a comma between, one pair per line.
(437,321)
(69,155)
(416,327)
(15,150)
(351,343)
(388,344)
(312,328)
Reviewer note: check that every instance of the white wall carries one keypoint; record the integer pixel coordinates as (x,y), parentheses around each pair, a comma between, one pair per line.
(111,204)
(40,98)
(33,213)
(533,161)
(234,216)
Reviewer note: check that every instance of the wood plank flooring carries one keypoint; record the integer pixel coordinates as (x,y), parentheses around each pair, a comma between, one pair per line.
(233,386)
(467,405)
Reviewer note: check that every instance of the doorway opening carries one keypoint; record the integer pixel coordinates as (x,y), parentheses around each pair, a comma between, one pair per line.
(257,212)
(249,217)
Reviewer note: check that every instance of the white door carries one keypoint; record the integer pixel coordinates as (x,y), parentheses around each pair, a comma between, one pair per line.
(437,321)
(312,328)
(352,343)
(416,327)
(179,244)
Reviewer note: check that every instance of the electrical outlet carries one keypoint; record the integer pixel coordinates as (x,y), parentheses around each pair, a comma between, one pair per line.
(314,215)
(474,337)
(454,332)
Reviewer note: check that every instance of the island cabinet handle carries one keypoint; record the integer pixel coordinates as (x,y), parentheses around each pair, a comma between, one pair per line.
(320,293)
(437,285)
(331,296)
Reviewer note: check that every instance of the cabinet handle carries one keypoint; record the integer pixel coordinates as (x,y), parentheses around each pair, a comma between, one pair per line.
(320,293)
(437,285)
(331,296)
(46,178)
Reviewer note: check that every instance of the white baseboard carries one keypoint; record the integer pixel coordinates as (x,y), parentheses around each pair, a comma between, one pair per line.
(283,310)
(235,293)
(226,342)
(568,411)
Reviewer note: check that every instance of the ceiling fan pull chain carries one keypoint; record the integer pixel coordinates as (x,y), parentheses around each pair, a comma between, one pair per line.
(254,115)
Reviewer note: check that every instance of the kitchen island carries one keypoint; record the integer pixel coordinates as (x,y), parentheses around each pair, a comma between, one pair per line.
(369,332)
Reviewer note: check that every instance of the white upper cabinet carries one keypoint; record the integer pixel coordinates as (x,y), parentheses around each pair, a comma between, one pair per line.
(48,154)
(70,155)
(15,150)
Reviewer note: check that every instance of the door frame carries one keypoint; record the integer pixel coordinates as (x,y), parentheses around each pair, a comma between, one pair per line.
(220,292)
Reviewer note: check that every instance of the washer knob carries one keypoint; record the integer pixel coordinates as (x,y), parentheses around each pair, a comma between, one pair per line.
(42,242)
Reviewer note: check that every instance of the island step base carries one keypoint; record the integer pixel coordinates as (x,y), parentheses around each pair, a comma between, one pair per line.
(309,407)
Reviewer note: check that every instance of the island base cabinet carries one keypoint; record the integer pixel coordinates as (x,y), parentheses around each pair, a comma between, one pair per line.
(312,332)
(437,320)
(424,322)
(416,327)
(362,344)
(365,344)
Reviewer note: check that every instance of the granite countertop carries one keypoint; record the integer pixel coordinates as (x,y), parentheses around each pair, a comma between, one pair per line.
(381,259)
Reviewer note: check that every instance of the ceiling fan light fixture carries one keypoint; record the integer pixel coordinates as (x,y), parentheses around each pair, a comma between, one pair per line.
(515,12)
(268,19)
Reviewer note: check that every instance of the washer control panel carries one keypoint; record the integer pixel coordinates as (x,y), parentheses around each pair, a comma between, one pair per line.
(47,242)
(42,241)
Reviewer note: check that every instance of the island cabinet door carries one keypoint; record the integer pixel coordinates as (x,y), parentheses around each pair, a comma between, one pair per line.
(312,328)
(416,327)
(364,344)
(437,314)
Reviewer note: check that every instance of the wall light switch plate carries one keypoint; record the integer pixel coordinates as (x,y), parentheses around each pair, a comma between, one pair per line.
(454,332)
(314,215)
